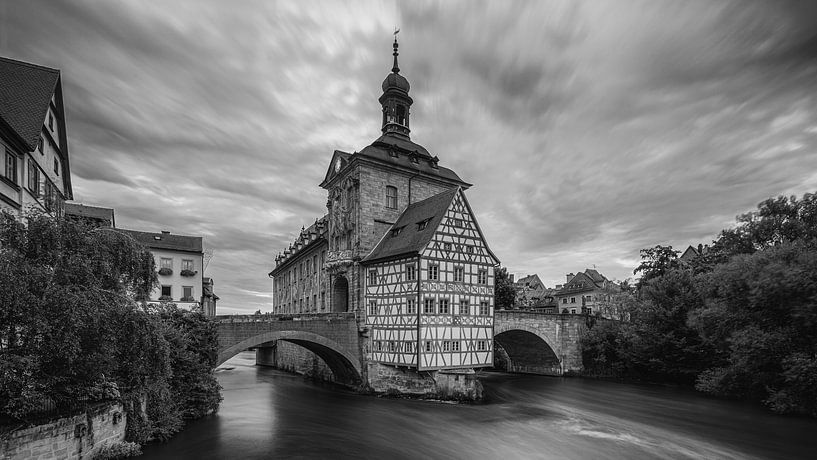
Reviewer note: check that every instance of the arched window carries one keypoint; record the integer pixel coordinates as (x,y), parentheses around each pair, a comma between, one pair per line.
(401,115)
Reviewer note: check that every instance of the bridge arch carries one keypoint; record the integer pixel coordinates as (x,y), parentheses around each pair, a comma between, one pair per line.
(528,349)
(344,365)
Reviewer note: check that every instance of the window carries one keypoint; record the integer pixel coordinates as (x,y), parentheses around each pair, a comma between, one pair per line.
(572,311)
(455,345)
(187,264)
(11,167)
(40,145)
(51,122)
(572,300)
(481,345)
(396,231)
(590,298)
(483,309)
(409,347)
(433,272)
(428,306)
(458,222)
(464,307)
(315,264)
(56,166)
(564,300)
(428,345)
(33,177)
(589,310)
(306,273)
(391,197)
(447,246)
(410,307)
(469,249)
(372,307)
(372,277)
(443,306)
(458,274)
(411,272)
(482,277)
(167,291)
(446,345)
(187,292)
(422,224)
(166,262)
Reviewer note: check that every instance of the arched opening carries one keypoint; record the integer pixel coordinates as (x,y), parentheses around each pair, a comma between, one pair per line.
(340,294)
(525,352)
(344,365)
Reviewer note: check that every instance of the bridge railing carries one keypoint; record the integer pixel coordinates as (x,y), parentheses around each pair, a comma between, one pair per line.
(269,317)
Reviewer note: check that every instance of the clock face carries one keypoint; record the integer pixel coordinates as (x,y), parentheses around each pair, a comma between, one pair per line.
(337,165)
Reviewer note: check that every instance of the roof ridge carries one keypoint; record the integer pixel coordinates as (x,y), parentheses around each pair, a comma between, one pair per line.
(29,64)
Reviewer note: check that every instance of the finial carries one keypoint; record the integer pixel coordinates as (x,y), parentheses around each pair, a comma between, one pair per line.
(395,69)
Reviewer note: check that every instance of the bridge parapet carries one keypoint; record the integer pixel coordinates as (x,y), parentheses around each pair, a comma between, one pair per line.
(514,330)
(269,317)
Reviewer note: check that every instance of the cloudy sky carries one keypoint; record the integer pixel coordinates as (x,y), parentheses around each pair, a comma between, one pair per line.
(590,129)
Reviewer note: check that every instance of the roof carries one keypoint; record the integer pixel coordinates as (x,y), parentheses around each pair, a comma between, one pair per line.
(90,212)
(589,280)
(410,239)
(400,152)
(25,93)
(166,240)
(530,279)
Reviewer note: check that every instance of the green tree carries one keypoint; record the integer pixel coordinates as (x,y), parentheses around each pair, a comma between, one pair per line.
(504,291)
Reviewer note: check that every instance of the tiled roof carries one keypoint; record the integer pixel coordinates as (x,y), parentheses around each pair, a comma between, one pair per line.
(410,239)
(25,93)
(93,212)
(379,150)
(588,280)
(166,240)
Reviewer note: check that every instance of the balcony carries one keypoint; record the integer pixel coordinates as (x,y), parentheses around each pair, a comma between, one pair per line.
(345,256)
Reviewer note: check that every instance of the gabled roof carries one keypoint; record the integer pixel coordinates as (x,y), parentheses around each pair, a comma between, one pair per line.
(25,93)
(532,280)
(166,240)
(344,161)
(410,239)
(589,280)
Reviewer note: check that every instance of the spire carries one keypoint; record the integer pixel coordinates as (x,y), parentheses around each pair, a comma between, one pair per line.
(395,68)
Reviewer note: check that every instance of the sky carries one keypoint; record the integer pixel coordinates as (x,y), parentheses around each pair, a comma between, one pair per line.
(590,129)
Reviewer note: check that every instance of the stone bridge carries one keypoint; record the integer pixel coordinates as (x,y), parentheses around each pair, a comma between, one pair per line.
(331,336)
(539,343)
(528,342)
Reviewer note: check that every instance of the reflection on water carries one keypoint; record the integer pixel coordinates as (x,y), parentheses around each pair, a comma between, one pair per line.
(272,414)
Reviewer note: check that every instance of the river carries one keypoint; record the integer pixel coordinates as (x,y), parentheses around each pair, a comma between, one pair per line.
(271,414)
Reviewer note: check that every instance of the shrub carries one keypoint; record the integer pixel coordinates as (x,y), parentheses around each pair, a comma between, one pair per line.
(118,450)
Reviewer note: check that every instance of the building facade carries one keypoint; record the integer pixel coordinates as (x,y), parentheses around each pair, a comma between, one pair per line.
(180,265)
(584,292)
(530,290)
(33,141)
(399,246)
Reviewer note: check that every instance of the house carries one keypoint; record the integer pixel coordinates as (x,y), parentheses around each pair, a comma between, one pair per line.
(691,253)
(33,141)
(583,292)
(179,260)
(400,247)
(529,290)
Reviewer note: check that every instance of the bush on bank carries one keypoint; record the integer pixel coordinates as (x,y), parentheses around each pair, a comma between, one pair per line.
(71,333)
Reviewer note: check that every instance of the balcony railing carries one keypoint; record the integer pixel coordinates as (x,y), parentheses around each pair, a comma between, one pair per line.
(339,257)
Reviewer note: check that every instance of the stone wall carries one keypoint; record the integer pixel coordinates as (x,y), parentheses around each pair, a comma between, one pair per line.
(294,358)
(74,437)
(561,333)
(452,384)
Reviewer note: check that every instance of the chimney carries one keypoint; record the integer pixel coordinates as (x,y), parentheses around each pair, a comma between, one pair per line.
(511,277)
(700,248)
(165,232)
(569,276)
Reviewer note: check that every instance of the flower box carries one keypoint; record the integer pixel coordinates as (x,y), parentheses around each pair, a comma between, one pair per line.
(164,271)
(186,272)
(165,297)
(188,299)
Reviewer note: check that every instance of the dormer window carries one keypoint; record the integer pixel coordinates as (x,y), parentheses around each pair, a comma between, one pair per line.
(396,231)
(51,122)
(422,224)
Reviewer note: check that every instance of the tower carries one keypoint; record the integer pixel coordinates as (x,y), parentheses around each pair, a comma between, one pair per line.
(396,101)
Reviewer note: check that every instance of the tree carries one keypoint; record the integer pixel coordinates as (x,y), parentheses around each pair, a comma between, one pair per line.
(656,262)
(504,291)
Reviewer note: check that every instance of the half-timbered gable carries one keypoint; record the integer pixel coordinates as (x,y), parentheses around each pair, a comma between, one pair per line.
(446,305)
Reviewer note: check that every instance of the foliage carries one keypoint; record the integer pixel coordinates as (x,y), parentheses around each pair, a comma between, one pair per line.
(118,450)
(740,321)
(187,273)
(504,291)
(70,330)
(656,262)
(164,271)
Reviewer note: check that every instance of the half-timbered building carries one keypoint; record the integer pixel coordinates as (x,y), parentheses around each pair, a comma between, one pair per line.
(402,249)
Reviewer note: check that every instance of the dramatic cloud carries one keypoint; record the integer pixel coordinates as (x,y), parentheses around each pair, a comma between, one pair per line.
(589,129)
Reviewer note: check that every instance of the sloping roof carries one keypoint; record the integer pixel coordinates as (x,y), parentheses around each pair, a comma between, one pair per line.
(595,276)
(410,239)
(530,279)
(25,93)
(166,240)
(92,212)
